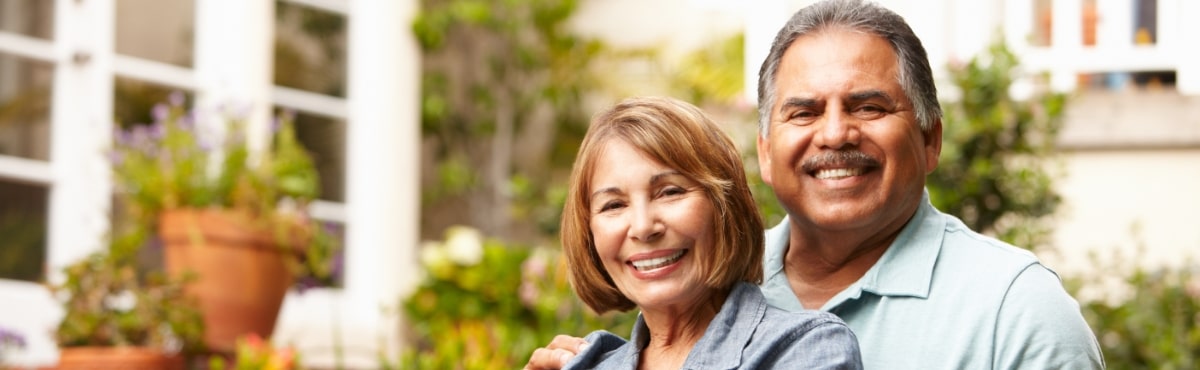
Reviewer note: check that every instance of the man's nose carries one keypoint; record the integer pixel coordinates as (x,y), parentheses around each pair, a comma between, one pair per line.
(838,129)
(645,225)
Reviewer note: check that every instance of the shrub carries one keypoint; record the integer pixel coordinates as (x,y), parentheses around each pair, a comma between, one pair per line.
(487,305)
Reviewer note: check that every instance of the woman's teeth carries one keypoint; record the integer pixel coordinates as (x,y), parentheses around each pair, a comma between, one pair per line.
(653,263)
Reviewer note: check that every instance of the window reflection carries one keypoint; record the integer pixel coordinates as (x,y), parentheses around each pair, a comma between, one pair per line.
(310,49)
(23,226)
(25,107)
(156,30)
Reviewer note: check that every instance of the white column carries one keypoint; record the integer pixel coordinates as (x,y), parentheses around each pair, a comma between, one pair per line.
(1018,24)
(233,64)
(1187,74)
(81,131)
(383,159)
(1066,39)
(1114,28)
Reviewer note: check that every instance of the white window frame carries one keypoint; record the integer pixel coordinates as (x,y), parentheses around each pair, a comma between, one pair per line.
(233,59)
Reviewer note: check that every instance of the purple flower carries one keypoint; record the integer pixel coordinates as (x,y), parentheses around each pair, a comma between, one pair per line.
(123,137)
(176,98)
(534,267)
(11,338)
(305,283)
(188,121)
(528,293)
(161,112)
(116,157)
(338,264)
(158,130)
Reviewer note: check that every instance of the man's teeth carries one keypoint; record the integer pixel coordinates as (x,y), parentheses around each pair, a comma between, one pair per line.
(837,173)
(653,263)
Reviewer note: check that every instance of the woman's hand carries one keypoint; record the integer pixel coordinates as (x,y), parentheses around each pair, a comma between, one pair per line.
(556,355)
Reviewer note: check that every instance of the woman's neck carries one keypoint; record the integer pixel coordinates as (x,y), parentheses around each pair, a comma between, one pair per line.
(674,330)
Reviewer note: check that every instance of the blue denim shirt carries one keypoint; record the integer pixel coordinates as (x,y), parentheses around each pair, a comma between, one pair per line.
(745,334)
(945,297)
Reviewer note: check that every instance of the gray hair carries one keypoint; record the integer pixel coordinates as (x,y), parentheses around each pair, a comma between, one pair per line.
(916,78)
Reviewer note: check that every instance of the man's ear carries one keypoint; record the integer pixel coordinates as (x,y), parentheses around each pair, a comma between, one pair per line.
(764,159)
(933,145)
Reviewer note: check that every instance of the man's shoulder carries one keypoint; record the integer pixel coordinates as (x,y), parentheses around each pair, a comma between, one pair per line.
(966,247)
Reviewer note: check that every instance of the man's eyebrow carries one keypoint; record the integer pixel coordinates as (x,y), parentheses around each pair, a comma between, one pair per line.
(868,95)
(798,103)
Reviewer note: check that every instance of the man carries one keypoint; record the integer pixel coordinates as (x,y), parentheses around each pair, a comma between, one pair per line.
(849,127)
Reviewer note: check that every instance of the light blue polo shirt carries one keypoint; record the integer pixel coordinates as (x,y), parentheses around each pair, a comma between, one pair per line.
(945,297)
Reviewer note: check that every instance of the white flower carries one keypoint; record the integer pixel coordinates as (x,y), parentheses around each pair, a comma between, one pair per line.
(121,302)
(432,254)
(464,245)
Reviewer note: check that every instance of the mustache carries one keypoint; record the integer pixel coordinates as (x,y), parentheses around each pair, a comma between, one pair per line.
(841,158)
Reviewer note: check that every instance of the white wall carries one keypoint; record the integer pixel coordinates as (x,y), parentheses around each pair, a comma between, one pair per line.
(1109,194)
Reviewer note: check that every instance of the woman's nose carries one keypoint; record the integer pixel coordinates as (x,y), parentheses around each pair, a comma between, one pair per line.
(645,225)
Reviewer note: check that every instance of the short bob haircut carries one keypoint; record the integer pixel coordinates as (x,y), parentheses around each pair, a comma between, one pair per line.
(680,136)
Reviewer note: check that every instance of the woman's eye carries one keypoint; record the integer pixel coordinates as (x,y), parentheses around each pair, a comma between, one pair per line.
(611,206)
(673,190)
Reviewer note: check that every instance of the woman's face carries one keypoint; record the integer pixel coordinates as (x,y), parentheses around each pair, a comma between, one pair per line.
(650,223)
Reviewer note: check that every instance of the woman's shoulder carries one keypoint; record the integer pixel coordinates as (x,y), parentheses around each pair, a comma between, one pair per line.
(802,339)
(800,322)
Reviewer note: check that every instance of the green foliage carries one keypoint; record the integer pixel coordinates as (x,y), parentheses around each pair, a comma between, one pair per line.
(169,164)
(254,353)
(995,150)
(108,303)
(486,305)
(1150,320)
(713,74)
(502,106)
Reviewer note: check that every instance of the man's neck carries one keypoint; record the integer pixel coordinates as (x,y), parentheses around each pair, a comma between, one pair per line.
(821,265)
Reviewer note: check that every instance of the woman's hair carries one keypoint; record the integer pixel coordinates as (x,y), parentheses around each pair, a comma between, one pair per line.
(680,136)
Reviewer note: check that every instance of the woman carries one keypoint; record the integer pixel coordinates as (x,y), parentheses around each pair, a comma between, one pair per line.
(659,217)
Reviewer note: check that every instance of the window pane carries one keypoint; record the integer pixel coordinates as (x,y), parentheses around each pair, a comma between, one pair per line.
(23,225)
(33,18)
(1145,22)
(310,49)
(25,107)
(325,139)
(156,30)
(134,100)
(1043,23)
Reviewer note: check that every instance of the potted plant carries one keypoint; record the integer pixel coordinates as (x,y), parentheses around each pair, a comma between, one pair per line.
(237,219)
(117,317)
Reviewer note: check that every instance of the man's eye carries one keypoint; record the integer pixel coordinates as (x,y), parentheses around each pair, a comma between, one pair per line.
(869,112)
(803,115)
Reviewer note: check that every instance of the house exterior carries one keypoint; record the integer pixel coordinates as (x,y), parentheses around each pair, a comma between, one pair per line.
(1131,142)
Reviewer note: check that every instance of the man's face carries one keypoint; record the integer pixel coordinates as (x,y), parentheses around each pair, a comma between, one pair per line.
(844,151)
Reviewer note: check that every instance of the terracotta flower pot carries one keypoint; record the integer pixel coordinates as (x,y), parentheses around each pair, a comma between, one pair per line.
(241,272)
(114,358)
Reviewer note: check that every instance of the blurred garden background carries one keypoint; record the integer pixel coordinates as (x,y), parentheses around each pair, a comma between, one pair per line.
(442,132)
